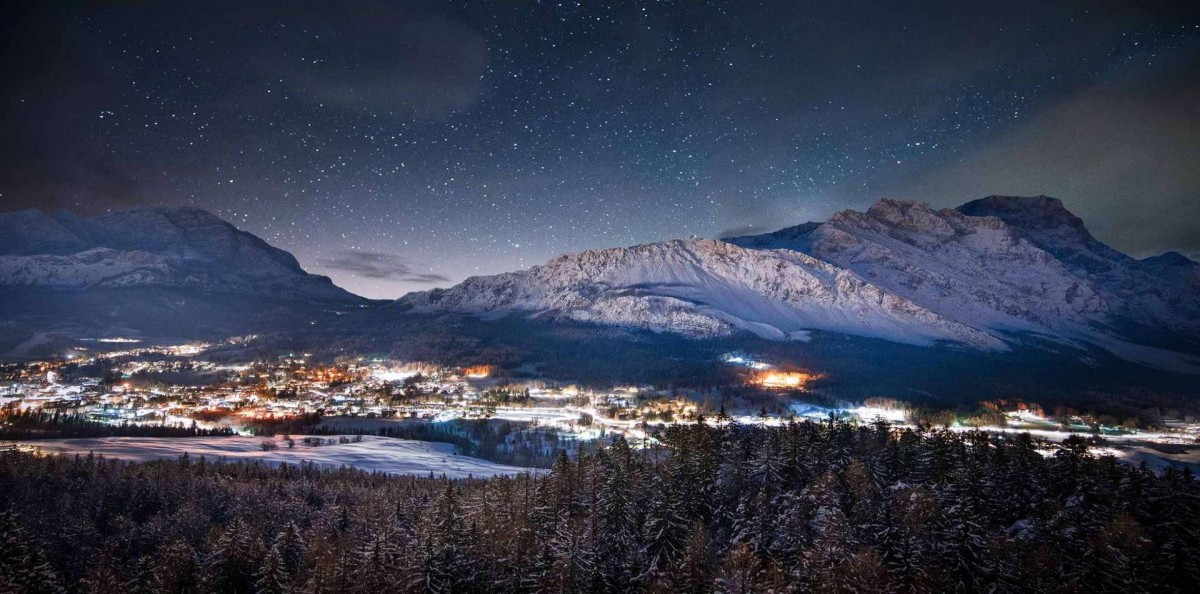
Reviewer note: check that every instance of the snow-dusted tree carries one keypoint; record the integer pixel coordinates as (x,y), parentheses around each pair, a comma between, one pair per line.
(233,560)
(665,527)
(272,576)
(444,543)
(614,509)
(102,577)
(695,572)
(741,572)
(176,569)
(23,566)
(379,564)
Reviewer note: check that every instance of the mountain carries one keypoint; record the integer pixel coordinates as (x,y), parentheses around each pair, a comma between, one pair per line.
(181,272)
(1007,282)
(703,287)
(164,247)
(994,275)
(1155,296)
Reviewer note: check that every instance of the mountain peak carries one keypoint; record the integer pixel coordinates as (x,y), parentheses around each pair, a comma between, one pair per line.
(911,211)
(1046,223)
(888,206)
(1030,213)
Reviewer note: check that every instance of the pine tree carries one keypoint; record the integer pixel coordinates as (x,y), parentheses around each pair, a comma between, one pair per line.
(741,572)
(290,543)
(272,575)
(694,575)
(175,571)
(378,564)
(1174,504)
(862,572)
(233,561)
(102,578)
(614,511)
(568,558)
(665,528)
(141,579)
(794,532)
(23,566)
(345,569)
(444,544)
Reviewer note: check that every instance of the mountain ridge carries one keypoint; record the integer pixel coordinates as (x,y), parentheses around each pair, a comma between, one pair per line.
(653,286)
(991,275)
(979,276)
(148,273)
(181,247)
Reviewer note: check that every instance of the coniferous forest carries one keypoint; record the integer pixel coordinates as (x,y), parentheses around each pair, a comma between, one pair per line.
(803,507)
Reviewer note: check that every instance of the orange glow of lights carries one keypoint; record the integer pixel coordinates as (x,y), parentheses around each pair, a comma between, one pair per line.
(782,379)
(478,371)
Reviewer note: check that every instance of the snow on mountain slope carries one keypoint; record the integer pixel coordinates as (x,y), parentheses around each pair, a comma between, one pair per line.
(32,232)
(93,267)
(900,271)
(162,247)
(703,288)
(973,269)
(1042,273)
(1159,292)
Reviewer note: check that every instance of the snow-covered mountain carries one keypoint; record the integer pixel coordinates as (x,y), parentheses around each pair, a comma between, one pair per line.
(987,276)
(994,275)
(703,287)
(149,273)
(1160,294)
(1009,265)
(151,247)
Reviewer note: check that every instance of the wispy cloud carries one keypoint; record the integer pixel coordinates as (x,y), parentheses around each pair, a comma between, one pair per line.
(380,266)
(743,230)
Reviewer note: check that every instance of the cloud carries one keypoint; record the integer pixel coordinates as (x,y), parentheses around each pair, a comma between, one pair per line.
(1120,152)
(379,266)
(1125,162)
(741,230)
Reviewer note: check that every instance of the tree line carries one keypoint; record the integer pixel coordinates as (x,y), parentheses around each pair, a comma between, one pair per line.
(807,506)
(16,424)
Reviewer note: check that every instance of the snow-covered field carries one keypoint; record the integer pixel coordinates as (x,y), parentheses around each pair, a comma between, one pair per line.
(546,416)
(382,454)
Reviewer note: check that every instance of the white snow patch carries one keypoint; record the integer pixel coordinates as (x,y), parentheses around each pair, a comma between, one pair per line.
(379,454)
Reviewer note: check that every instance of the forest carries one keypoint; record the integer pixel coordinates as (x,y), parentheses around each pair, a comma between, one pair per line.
(826,507)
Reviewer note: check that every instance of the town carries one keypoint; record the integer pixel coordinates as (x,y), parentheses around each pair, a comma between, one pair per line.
(122,388)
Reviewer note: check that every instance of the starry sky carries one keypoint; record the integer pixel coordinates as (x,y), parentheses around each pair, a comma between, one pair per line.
(399,146)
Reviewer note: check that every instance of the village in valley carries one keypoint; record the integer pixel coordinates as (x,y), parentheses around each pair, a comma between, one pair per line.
(123,390)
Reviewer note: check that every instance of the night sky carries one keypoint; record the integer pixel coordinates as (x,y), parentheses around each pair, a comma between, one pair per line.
(401,146)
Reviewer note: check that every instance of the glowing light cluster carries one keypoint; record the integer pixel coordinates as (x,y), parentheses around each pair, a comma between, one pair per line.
(782,379)
(478,371)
